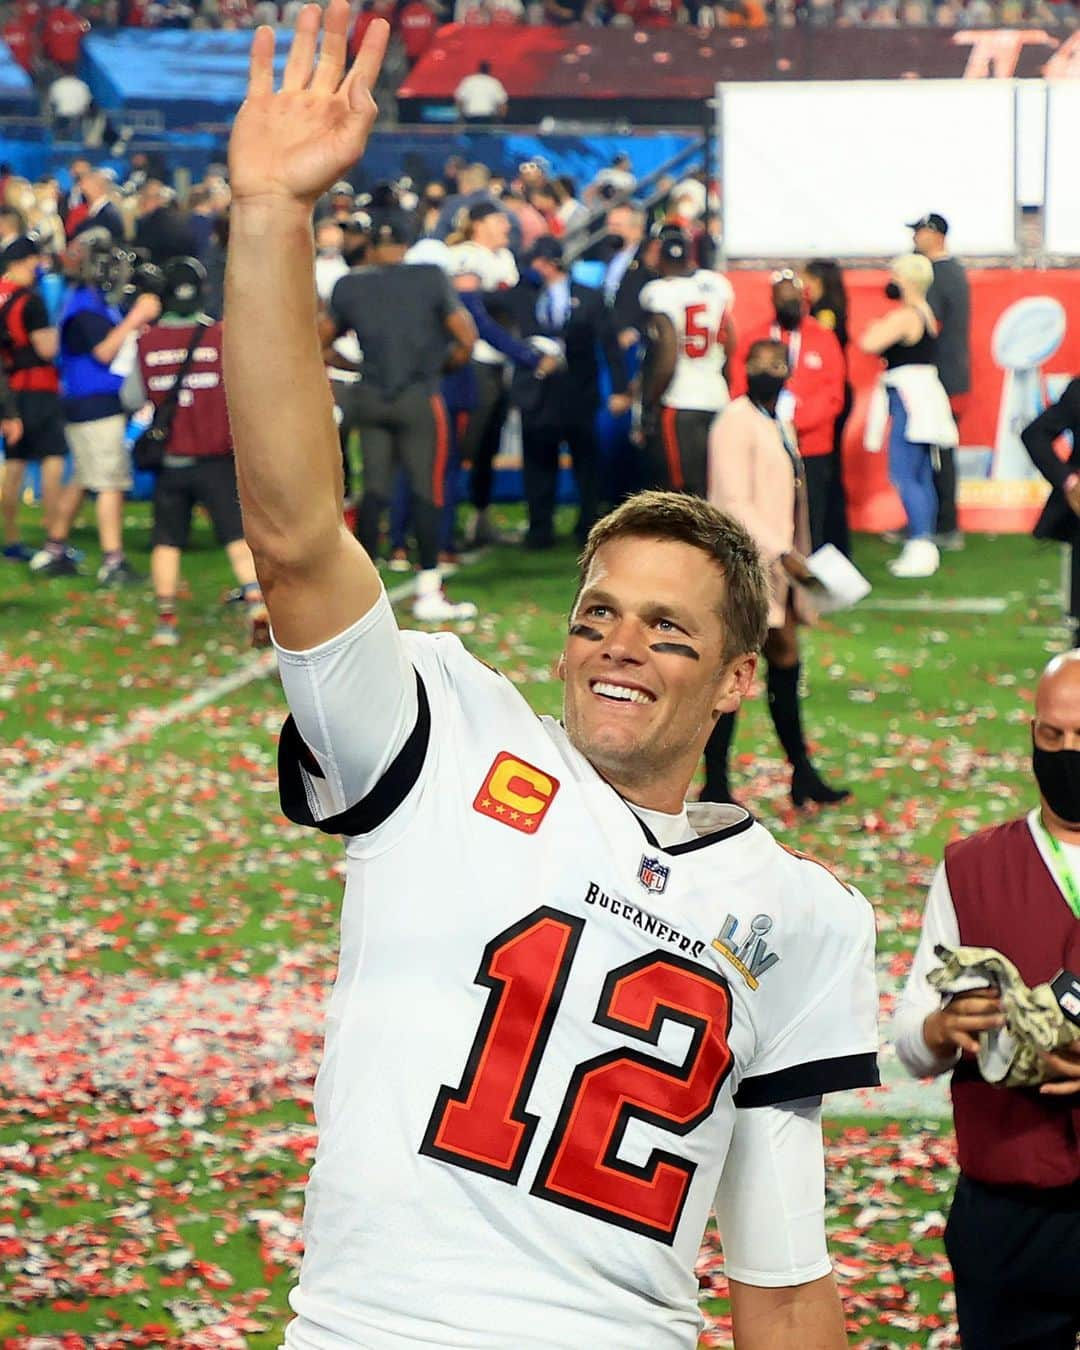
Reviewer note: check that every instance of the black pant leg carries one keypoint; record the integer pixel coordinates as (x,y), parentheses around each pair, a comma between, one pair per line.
(692,425)
(1015,1253)
(483,434)
(945,486)
(369,415)
(540,471)
(422,441)
(581,441)
(819,471)
(1074,583)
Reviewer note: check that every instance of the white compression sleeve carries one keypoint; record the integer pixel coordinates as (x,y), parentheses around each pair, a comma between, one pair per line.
(770,1204)
(354,702)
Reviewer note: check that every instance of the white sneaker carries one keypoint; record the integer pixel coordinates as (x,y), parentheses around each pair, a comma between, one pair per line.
(431,604)
(438,609)
(920,558)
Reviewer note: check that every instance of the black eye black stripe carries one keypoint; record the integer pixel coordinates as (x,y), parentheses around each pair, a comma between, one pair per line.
(676,649)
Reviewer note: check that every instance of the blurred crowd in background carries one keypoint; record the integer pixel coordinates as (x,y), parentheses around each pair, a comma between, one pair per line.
(46,38)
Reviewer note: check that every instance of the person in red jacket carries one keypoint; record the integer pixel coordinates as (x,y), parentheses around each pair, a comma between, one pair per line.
(814,396)
(1013,1236)
(418,22)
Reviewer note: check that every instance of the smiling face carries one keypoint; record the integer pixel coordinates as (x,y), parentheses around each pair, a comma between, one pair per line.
(645,666)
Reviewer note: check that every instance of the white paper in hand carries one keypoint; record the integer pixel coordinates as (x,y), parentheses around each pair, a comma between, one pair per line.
(844,585)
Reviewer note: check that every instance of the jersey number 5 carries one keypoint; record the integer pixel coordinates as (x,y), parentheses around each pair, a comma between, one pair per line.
(699,338)
(482,1123)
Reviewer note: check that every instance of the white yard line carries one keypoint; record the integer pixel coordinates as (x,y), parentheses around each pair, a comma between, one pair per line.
(145,722)
(929,604)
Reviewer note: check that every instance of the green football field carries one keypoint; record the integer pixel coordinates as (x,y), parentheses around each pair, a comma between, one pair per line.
(167,940)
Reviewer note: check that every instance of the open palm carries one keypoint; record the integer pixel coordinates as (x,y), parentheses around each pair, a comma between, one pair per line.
(296,143)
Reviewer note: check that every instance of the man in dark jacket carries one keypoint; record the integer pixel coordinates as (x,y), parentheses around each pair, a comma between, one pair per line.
(162,229)
(627,273)
(1061,515)
(558,315)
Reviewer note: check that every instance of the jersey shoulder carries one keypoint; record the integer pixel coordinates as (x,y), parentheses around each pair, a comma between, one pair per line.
(452,675)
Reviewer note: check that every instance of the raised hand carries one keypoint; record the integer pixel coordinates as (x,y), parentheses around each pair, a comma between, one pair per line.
(294,144)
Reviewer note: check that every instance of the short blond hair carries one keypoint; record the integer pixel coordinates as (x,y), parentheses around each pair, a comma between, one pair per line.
(744,608)
(914,270)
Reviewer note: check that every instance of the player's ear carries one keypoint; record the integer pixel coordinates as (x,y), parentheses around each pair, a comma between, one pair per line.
(560,667)
(735,683)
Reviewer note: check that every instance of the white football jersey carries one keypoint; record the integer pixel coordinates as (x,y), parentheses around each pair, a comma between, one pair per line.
(697,306)
(497,272)
(542,1027)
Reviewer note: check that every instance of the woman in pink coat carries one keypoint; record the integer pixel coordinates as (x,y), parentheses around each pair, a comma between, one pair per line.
(756,475)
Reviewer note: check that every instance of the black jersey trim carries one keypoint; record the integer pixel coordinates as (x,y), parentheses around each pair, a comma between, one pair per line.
(809,1080)
(689,845)
(294,758)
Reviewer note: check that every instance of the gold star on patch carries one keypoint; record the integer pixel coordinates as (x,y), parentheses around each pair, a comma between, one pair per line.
(515,815)
(486,803)
(500,810)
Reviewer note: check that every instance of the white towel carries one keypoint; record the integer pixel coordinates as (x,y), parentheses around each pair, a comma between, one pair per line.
(930,419)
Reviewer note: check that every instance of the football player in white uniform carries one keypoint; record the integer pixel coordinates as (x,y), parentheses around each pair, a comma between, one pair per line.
(690,336)
(571,1015)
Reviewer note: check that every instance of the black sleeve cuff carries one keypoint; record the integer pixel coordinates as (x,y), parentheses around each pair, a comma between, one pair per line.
(381,802)
(809,1080)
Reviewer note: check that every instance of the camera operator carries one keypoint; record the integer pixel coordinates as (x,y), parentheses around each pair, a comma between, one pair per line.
(198,468)
(32,423)
(97,350)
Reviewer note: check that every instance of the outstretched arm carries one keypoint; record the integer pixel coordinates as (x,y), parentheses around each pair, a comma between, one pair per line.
(286,149)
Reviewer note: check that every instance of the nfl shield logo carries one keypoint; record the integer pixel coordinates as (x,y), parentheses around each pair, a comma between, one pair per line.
(653,874)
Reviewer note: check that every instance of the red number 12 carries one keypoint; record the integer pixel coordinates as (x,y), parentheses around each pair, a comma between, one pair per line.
(482,1124)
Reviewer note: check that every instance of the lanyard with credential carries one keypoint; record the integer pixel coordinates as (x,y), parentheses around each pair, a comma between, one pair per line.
(1063,873)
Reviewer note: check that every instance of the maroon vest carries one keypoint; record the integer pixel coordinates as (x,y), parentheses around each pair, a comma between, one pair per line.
(1006,898)
(200,426)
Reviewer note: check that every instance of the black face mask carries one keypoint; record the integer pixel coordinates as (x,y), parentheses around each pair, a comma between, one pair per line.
(789,315)
(892,291)
(764,387)
(355,256)
(1057,773)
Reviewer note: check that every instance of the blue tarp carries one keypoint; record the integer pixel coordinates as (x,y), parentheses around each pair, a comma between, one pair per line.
(190,78)
(16,88)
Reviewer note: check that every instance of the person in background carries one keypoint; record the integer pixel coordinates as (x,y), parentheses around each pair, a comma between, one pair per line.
(756,476)
(198,468)
(31,420)
(483,250)
(814,394)
(97,351)
(102,213)
(1013,1235)
(11,430)
(162,228)
(459,393)
(12,226)
(691,334)
(823,282)
(562,408)
(410,324)
(627,272)
(340,246)
(920,420)
(1060,518)
(480,98)
(950,299)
